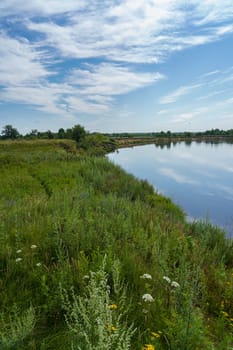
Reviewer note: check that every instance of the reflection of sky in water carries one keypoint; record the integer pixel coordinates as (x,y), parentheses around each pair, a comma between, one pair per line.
(199,177)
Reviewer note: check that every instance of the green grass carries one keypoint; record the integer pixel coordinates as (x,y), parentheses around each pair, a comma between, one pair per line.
(62,213)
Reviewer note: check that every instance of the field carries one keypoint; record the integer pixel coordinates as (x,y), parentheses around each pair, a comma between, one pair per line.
(93,258)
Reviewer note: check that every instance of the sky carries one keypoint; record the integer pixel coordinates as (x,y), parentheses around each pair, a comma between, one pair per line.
(116,65)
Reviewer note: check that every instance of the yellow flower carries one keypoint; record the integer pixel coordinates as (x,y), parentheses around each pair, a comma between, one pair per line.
(148,347)
(113,306)
(111,328)
(224,313)
(156,335)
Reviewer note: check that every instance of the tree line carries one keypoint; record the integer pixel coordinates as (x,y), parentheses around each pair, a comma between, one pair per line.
(78,133)
(75,133)
(170,134)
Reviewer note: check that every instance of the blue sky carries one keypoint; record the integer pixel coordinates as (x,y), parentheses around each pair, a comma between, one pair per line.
(116,66)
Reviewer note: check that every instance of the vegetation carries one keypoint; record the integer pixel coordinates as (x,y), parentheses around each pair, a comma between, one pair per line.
(92,258)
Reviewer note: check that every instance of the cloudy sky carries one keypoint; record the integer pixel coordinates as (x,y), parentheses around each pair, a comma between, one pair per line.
(116,65)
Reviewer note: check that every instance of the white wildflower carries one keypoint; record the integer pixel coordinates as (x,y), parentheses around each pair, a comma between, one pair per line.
(145,311)
(18,260)
(175,284)
(146,276)
(147,298)
(33,246)
(167,279)
(38,264)
(19,251)
(86,277)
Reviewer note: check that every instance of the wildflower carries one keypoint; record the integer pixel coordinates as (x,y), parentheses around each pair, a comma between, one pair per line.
(146,276)
(175,284)
(38,264)
(228,283)
(156,335)
(33,246)
(86,277)
(147,298)
(144,311)
(113,306)
(167,279)
(148,347)
(18,260)
(111,328)
(19,251)
(224,313)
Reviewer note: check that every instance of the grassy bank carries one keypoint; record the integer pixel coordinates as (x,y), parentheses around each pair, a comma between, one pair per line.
(92,258)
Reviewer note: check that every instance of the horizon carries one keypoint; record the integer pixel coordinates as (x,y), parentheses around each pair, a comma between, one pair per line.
(116,67)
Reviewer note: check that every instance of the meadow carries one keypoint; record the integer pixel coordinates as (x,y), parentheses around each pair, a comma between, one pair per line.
(93,258)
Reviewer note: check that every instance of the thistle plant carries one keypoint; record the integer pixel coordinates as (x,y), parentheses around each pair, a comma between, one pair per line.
(96,321)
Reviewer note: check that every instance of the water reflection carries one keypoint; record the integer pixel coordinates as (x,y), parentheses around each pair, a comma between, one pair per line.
(196,175)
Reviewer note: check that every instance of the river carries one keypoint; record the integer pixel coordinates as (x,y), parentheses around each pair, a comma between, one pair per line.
(198,176)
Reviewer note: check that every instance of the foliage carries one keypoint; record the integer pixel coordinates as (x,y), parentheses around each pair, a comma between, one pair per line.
(62,212)
(15,327)
(78,133)
(9,132)
(98,322)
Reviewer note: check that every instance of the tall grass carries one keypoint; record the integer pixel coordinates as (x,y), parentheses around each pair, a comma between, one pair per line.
(62,213)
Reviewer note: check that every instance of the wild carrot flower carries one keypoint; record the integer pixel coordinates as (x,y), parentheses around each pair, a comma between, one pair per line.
(167,279)
(146,276)
(19,251)
(38,264)
(33,246)
(175,284)
(18,260)
(147,298)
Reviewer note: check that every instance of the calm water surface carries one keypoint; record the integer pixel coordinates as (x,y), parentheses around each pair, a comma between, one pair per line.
(196,176)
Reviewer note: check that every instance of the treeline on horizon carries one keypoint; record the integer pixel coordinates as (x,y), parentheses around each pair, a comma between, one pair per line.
(78,133)
(170,134)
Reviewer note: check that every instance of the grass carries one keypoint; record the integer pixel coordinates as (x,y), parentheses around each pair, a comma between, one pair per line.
(64,213)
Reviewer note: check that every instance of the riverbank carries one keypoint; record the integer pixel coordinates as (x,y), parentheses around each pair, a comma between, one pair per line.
(86,246)
(123,142)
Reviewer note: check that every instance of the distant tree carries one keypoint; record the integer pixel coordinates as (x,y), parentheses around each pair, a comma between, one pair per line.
(33,134)
(78,133)
(61,133)
(50,134)
(68,133)
(9,132)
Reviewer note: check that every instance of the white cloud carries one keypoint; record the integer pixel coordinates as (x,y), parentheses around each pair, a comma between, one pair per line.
(39,7)
(179,178)
(130,31)
(124,31)
(20,62)
(176,94)
(111,79)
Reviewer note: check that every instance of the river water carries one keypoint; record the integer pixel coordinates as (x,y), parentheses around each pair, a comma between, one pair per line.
(197,176)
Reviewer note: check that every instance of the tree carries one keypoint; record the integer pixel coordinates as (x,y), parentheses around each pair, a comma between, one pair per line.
(61,133)
(78,133)
(9,132)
